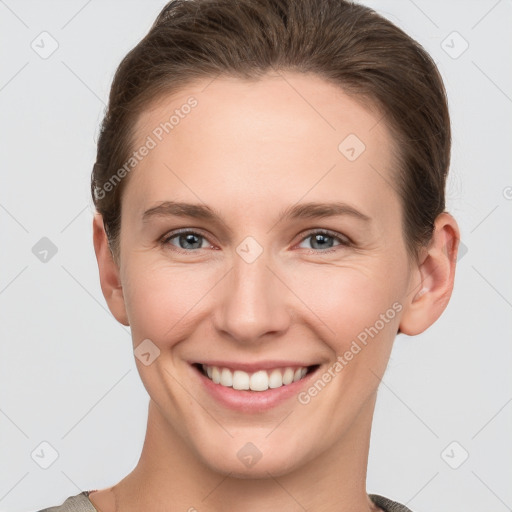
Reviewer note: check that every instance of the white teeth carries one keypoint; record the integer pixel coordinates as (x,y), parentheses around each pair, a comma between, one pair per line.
(240,379)
(276,379)
(257,381)
(226,377)
(288,376)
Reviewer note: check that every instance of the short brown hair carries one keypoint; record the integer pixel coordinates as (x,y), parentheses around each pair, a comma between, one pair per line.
(345,43)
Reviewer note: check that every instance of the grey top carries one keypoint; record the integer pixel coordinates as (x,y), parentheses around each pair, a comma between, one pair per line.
(81,503)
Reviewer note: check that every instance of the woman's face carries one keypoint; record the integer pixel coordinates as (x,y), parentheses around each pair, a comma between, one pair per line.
(260,279)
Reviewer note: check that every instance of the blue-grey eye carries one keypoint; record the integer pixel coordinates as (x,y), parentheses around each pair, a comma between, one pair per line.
(187,240)
(321,240)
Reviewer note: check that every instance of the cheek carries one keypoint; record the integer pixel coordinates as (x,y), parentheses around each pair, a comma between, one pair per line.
(162,300)
(352,302)
(166,303)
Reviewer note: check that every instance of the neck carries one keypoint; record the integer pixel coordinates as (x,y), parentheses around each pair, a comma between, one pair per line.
(170,476)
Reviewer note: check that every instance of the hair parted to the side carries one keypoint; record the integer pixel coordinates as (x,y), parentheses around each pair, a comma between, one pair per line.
(347,44)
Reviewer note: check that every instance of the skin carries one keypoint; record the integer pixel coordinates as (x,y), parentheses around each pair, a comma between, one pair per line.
(249,150)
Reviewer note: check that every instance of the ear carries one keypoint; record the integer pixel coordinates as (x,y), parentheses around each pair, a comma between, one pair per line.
(109,272)
(433,278)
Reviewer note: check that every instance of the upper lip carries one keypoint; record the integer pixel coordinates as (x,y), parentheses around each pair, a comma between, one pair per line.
(253,367)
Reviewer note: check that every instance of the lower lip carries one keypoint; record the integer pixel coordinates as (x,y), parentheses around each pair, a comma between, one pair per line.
(252,401)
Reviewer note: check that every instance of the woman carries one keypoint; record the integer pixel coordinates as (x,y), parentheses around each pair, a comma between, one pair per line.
(269,187)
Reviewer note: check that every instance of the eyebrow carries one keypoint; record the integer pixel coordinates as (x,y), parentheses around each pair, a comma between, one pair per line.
(298,211)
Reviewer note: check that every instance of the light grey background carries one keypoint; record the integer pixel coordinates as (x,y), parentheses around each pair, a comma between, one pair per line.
(68,375)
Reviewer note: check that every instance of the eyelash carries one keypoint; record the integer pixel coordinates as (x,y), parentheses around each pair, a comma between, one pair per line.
(343,241)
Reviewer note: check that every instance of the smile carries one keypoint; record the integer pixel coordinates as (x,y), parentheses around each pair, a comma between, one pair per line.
(260,380)
(253,388)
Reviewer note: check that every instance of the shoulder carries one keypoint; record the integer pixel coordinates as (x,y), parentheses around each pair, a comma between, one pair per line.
(388,505)
(81,503)
(78,503)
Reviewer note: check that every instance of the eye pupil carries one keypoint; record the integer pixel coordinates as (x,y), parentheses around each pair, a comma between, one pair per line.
(190,239)
(320,238)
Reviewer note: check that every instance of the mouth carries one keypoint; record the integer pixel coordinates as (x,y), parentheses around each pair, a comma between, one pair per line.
(259,380)
(252,388)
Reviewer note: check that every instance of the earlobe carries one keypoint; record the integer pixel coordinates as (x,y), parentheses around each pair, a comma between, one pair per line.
(433,280)
(109,272)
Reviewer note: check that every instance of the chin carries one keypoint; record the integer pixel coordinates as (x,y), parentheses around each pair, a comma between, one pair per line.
(248,462)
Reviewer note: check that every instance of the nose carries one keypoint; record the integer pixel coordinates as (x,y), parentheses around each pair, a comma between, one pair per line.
(253,302)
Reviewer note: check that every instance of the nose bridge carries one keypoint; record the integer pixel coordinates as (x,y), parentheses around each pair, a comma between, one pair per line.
(254,300)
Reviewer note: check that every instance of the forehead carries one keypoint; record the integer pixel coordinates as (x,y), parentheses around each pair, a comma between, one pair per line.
(275,139)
